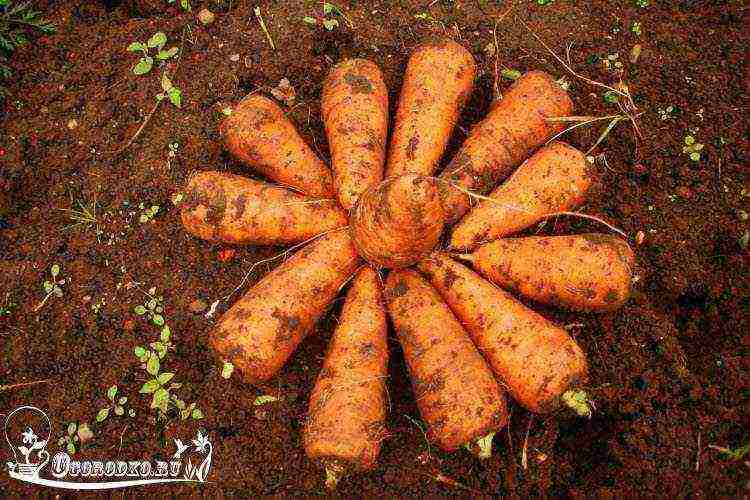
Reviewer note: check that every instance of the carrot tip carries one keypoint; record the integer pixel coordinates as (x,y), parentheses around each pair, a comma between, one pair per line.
(482,447)
(334,473)
(579,402)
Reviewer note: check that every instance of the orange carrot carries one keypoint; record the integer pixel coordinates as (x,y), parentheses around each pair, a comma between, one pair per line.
(262,329)
(438,81)
(232,209)
(555,179)
(398,222)
(457,395)
(355,113)
(346,419)
(259,135)
(515,126)
(589,272)
(539,363)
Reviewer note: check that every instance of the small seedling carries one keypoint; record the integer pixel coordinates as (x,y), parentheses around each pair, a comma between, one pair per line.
(169,90)
(152,308)
(692,148)
(642,3)
(84,217)
(544,2)
(69,439)
(8,306)
(425,16)
(147,214)
(185,4)
(510,74)
(670,111)
(328,20)
(157,41)
(265,399)
(117,405)
(737,454)
(610,97)
(636,28)
(52,287)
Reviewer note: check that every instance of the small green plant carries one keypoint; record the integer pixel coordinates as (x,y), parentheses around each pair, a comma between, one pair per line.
(425,16)
(544,2)
(510,74)
(17,19)
(610,97)
(670,111)
(8,306)
(83,217)
(69,439)
(736,454)
(144,65)
(152,308)
(691,148)
(117,405)
(52,287)
(642,3)
(328,20)
(185,4)
(636,28)
(147,214)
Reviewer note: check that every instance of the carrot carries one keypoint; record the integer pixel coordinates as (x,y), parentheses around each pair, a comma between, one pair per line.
(515,126)
(259,135)
(539,363)
(438,81)
(456,393)
(398,222)
(346,418)
(224,207)
(589,272)
(355,113)
(262,329)
(555,179)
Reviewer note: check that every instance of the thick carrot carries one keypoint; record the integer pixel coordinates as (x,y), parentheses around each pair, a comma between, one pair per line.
(515,126)
(355,113)
(589,272)
(262,329)
(555,179)
(438,81)
(455,390)
(259,134)
(346,419)
(539,363)
(233,209)
(398,222)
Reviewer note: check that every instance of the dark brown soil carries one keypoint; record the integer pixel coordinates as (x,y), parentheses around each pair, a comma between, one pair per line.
(666,370)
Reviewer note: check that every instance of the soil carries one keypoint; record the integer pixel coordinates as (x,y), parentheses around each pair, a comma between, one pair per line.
(666,369)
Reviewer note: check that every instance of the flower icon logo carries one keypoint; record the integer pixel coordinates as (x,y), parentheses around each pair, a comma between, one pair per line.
(30,452)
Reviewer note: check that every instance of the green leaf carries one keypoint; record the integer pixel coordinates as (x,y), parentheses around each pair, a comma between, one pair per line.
(119,410)
(185,4)
(197,414)
(510,74)
(327,8)
(48,287)
(166,334)
(689,140)
(139,351)
(140,310)
(180,404)
(330,23)
(261,400)
(157,40)
(161,398)
(175,96)
(136,46)
(103,413)
(150,386)
(143,66)
(167,54)
(158,319)
(309,20)
(165,377)
(152,366)
(227,369)
(55,270)
(71,448)
(610,96)
(72,428)
(112,392)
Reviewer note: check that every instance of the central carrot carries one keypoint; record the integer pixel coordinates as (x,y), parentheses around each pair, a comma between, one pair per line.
(438,81)
(455,390)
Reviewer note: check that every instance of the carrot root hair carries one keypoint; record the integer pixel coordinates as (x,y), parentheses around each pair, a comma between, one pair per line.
(578,401)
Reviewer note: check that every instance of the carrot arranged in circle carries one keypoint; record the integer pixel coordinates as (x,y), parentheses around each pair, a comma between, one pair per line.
(262,329)
(515,126)
(355,112)
(555,179)
(588,272)
(346,418)
(538,362)
(457,395)
(437,83)
(230,208)
(398,222)
(259,135)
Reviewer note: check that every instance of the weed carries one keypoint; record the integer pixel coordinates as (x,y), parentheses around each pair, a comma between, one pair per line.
(70,438)
(147,214)
(510,74)
(117,406)
(185,4)
(157,41)
(692,148)
(737,454)
(328,20)
(544,2)
(52,287)
(16,20)
(636,28)
(152,308)
(83,217)
(8,306)
(642,3)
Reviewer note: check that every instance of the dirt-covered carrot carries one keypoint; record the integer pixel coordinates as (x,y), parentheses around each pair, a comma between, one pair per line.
(457,395)
(515,126)
(346,419)
(589,272)
(539,363)
(398,222)
(555,179)
(262,329)
(438,81)
(259,134)
(233,209)
(355,113)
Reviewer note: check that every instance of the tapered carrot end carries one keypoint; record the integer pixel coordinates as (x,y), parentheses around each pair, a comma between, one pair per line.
(579,402)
